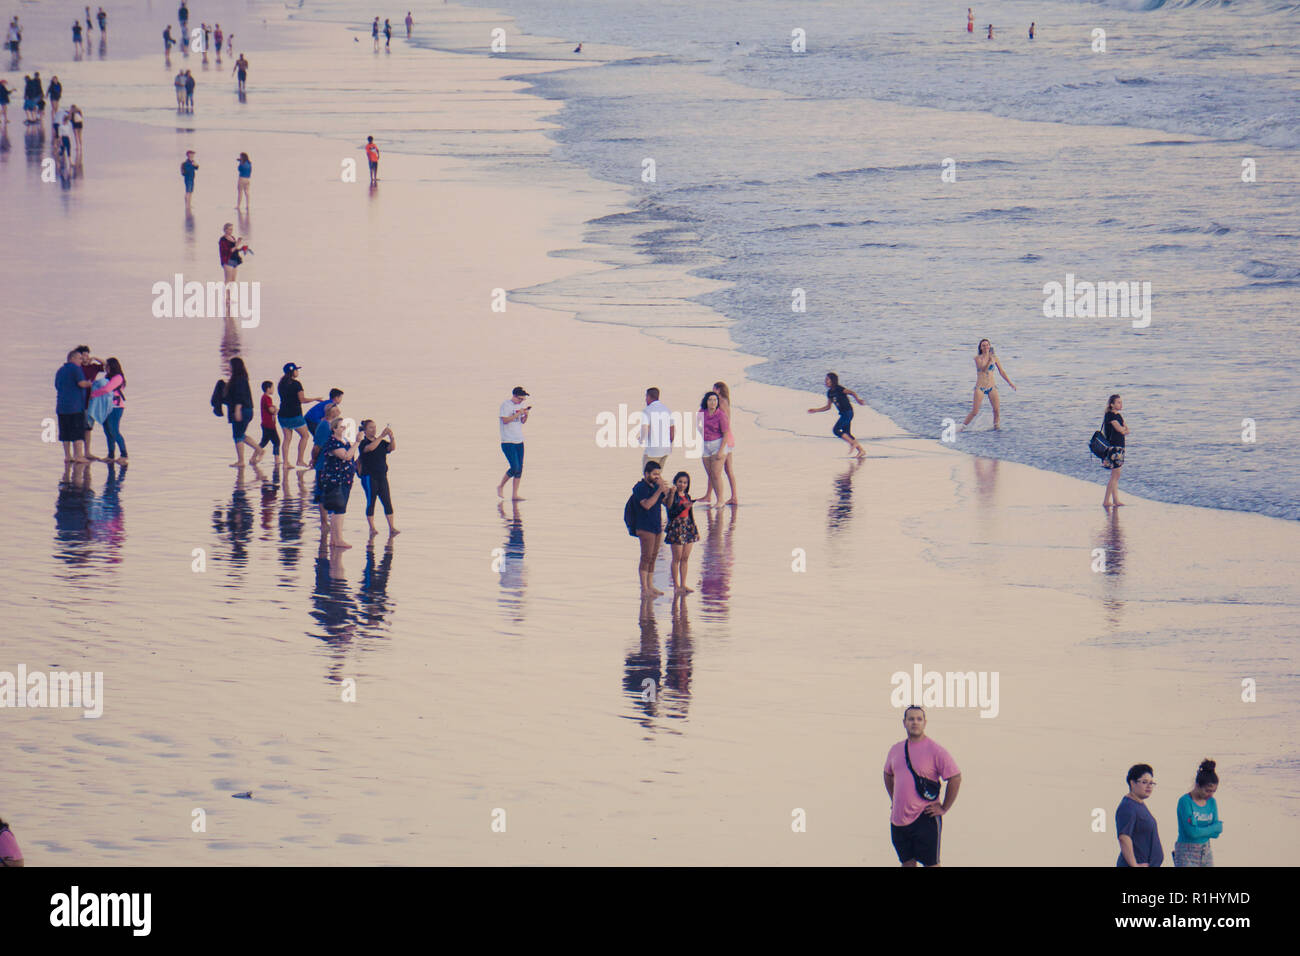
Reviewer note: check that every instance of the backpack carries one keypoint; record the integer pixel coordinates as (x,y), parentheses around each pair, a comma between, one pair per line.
(1099,446)
(218,397)
(629,512)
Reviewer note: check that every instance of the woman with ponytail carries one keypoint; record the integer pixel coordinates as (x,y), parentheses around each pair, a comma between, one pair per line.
(1198,819)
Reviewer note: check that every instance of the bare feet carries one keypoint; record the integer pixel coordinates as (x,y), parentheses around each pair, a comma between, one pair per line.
(340,544)
(392,531)
(500,493)
(685,590)
(732,501)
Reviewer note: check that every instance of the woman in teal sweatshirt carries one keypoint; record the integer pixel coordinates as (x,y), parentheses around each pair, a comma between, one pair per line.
(1198,819)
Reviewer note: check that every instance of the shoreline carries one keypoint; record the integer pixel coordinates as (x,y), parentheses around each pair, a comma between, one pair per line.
(916,558)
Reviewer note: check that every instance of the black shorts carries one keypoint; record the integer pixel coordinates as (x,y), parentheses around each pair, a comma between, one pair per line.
(72,426)
(919,840)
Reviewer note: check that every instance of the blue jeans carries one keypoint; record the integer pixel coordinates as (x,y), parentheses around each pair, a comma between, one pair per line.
(113,431)
(514,452)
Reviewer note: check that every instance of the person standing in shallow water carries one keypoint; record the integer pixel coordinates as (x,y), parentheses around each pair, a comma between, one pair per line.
(245,170)
(1198,819)
(512,415)
(409,23)
(986,360)
(649,497)
(241,69)
(682,532)
(1116,431)
(372,464)
(239,412)
(372,157)
(1135,827)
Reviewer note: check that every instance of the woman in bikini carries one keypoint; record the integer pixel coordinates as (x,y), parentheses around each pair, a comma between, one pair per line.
(986,360)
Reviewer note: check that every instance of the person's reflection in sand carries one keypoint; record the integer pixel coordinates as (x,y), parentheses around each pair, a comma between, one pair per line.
(677,674)
(293,501)
(373,601)
(230,344)
(511,564)
(841,507)
(106,521)
(4,141)
(235,522)
(986,481)
(270,489)
(1111,542)
(103,47)
(715,563)
(189,227)
(72,515)
(34,143)
(642,668)
(333,609)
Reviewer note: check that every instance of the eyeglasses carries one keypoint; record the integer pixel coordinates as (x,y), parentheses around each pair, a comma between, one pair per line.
(1145,783)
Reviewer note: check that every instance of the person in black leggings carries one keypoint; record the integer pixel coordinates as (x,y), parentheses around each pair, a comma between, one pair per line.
(375,449)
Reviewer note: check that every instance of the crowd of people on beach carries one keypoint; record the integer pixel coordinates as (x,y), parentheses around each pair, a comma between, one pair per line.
(336,455)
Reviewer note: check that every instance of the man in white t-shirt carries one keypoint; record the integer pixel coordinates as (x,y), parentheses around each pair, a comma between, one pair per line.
(513,414)
(657,429)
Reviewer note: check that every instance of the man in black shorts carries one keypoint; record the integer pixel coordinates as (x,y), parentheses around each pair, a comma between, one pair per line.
(70,407)
(914,765)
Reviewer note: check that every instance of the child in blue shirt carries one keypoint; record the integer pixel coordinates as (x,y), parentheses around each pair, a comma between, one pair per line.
(1198,819)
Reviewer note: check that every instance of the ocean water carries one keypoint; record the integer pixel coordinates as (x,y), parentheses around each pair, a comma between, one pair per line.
(821,171)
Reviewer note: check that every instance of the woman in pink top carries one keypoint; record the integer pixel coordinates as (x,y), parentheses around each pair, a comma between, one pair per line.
(10,855)
(729,445)
(114,386)
(714,428)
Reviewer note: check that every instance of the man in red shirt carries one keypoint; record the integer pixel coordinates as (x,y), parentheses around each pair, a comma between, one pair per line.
(372,154)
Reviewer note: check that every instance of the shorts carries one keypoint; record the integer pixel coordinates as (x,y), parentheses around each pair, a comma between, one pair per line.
(843,427)
(238,428)
(189,185)
(374,165)
(72,426)
(243,75)
(67,143)
(514,452)
(919,840)
(298,421)
(1193,854)
(1114,460)
(713,448)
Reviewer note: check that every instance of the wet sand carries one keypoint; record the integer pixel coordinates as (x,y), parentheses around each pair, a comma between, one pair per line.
(520,688)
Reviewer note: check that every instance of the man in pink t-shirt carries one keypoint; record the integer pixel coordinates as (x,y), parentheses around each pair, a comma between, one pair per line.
(914,821)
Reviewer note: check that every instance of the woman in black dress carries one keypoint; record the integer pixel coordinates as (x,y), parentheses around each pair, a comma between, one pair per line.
(1115,430)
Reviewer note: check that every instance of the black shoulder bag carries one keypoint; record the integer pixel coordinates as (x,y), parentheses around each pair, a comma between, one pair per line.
(927,788)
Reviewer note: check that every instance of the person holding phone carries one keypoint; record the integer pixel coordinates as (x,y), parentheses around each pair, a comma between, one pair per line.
(513,415)
(986,361)
(372,464)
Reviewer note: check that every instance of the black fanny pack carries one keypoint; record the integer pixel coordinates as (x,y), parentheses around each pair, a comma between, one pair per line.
(927,788)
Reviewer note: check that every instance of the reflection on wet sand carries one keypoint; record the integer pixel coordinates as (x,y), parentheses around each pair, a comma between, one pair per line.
(233,522)
(716,561)
(510,564)
(841,507)
(655,689)
(986,482)
(89,528)
(1110,539)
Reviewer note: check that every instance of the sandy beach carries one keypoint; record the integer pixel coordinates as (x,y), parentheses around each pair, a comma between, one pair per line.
(498,651)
